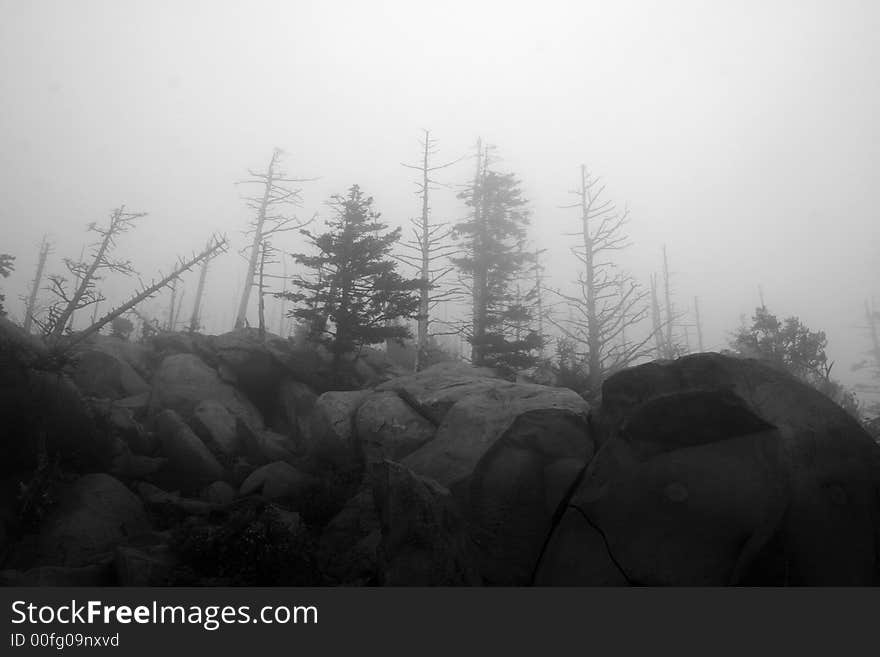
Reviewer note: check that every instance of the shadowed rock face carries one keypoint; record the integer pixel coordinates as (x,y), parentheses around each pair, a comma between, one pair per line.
(714,470)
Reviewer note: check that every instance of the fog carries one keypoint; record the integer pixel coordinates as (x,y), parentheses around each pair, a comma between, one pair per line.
(743,136)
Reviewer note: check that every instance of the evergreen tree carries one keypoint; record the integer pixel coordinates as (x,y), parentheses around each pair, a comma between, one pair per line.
(493,261)
(789,345)
(352,294)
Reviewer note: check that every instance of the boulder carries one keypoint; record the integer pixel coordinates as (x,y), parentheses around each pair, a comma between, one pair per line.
(183,381)
(101,374)
(118,419)
(436,389)
(141,357)
(387,427)
(245,356)
(217,427)
(424,539)
(332,432)
(348,546)
(509,454)
(190,463)
(715,470)
(278,480)
(95,514)
(296,401)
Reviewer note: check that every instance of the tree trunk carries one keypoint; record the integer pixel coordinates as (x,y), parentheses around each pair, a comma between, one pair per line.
(35,286)
(255,246)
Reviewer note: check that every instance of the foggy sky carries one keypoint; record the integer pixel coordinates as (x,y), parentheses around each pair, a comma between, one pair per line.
(744,136)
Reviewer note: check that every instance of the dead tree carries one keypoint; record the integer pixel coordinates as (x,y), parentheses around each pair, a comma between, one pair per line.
(88,274)
(195,318)
(216,245)
(430,248)
(699,324)
(277,196)
(607,301)
(31,306)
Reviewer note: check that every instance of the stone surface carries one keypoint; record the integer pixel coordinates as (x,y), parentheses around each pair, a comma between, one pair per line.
(94,515)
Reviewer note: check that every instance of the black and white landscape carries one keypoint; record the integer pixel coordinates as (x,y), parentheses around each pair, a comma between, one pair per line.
(471,294)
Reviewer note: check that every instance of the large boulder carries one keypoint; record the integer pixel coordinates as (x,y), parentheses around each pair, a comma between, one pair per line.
(388,427)
(183,381)
(94,515)
(715,470)
(508,453)
(436,389)
(217,427)
(424,539)
(191,465)
(101,374)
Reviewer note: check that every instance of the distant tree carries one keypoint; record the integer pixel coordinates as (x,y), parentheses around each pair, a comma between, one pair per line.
(791,346)
(6,268)
(352,295)
(430,249)
(271,205)
(608,301)
(493,260)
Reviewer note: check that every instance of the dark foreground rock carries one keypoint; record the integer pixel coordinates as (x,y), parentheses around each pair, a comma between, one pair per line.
(717,471)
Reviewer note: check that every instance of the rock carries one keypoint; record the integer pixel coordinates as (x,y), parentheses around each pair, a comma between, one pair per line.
(190,463)
(44,410)
(145,566)
(715,470)
(219,493)
(348,547)
(139,356)
(184,380)
(332,433)
(296,402)
(257,372)
(101,374)
(436,389)
(94,515)
(389,428)
(217,427)
(424,540)
(276,481)
(509,455)
(118,419)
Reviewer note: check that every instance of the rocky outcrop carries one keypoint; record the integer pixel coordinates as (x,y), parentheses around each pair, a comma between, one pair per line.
(714,471)
(183,381)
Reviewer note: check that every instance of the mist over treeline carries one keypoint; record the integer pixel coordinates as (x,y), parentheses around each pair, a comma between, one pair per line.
(744,151)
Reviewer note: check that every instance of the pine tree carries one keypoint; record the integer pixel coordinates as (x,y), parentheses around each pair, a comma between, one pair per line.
(494,260)
(352,294)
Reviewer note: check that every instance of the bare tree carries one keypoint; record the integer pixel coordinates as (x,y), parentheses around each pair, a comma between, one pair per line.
(31,306)
(278,195)
(608,300)
(430,248)
(86,292)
